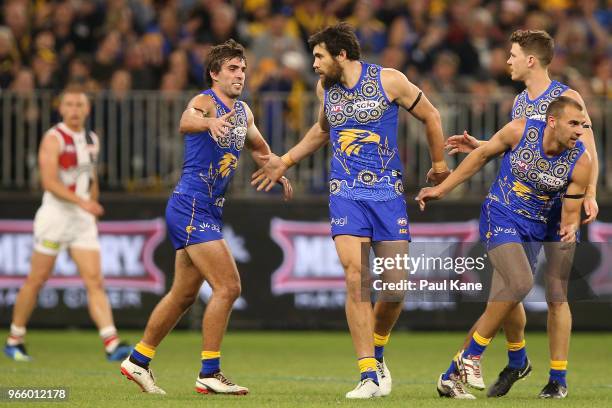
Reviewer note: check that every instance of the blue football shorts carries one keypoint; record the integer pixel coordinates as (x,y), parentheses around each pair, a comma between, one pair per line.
(499,225)
(379,220)
(192,220)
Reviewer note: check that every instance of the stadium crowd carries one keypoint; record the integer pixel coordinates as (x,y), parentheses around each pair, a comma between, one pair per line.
(445,46)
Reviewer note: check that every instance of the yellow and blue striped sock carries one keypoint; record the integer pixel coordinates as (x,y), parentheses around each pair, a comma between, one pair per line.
(477,346)
(142,354)
(558,371)
(367,368)
(211,362)
(517,354)
(380,342)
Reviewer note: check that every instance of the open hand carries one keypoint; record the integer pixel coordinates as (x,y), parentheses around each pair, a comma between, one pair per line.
(461,143)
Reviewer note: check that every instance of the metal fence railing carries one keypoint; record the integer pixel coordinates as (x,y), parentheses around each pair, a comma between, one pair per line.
(141,148)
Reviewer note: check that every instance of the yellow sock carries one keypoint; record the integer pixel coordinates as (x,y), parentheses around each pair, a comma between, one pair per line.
(380,340)
(558,365)
(482,341)
(515,346)
(367,364)
(145,350)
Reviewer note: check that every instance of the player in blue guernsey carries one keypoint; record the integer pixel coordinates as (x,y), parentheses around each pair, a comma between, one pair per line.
(359,118)
(530,55)
(216,126)
(544,164)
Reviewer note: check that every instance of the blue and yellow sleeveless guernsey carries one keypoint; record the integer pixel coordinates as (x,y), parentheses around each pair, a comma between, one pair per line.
(366,189)
(194,210)
(536,109)
(529,183)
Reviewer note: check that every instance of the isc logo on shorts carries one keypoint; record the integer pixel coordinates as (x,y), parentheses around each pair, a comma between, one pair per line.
(340,222)
(403,230)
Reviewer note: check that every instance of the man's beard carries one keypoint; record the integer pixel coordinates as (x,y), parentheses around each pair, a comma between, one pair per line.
(331,79)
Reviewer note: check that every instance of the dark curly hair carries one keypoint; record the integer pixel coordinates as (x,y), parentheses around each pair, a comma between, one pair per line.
(337,38)
(221,53)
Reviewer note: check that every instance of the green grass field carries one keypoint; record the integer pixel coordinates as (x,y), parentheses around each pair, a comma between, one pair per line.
(287,369)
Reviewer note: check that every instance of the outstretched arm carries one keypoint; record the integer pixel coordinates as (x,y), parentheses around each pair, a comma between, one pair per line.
(465,143)
(316,137)
(200,115)
(260,150)
(403,92)
(503,140)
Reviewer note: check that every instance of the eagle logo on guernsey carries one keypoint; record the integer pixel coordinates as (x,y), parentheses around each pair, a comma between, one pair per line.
(227,163)
(525,192)
(352,140)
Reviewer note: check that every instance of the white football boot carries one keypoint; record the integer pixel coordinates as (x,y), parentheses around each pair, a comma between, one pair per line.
(452,388)
(219,384)
(470,370)
(384,378)
(141,376)
(366,388)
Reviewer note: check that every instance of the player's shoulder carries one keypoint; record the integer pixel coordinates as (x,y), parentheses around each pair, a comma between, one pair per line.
(53,134)
(575,95)
(202,101)
(517,124)
(392,75)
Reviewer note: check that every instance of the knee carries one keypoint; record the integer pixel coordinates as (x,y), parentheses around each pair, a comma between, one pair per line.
(522,287)
(557,308)
(94,284)
(229,292)
(354,282)
(183,300)
(36,282)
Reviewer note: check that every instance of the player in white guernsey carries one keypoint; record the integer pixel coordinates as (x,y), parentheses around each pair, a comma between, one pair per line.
(67,219)
(530,54)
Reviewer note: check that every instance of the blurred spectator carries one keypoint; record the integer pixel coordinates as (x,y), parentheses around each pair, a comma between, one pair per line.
(370,31)
(9,57)
(44,65)
(222,26)
(107,58)
(144,76)
(393,57)
(24,83)
(275,41)
(79,72)
(121,83)
(152,38)
(474,50)
(444,73)
(63,23)
(511,15)
(498,70)
(602,80)
(308,17)
(16,18)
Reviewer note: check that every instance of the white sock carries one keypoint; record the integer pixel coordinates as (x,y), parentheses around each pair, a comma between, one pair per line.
(110,338)
(16,335)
